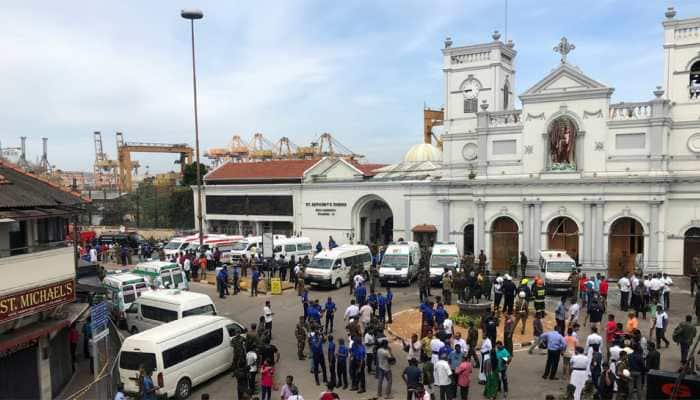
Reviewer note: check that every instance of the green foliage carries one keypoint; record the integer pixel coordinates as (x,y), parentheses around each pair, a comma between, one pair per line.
(463,320)
(152,206)
(189,175)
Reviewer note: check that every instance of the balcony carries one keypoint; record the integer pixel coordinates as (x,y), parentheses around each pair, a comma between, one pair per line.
(508,118)
(630,111)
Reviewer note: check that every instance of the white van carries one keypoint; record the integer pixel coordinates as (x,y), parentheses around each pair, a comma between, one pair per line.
(179,244)
(247,246)
(182,354)
(162,274)
(444,255)
(122,289)
(400,263)
(294,246)
(332,267)
(556,266)
(163,306)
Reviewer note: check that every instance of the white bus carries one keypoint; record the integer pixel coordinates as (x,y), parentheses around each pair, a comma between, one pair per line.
(163,306)
(294,246)
(122,289)
(181,354)
(444,256)
(332,267)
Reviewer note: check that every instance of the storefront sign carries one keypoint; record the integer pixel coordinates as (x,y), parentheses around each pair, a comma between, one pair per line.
(16,305)
(326,208)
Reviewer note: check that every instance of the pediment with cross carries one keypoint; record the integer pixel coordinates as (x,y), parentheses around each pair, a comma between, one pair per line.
(565,78)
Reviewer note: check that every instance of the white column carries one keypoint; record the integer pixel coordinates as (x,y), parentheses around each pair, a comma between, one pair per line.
(653,251)
(587,234)
(537,227)
(479,225)
(527,230)
(445,220)
(407,219)
(599,262)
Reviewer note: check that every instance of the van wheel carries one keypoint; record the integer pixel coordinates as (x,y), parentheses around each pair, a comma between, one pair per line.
(338,283)
(134,330)
(184,388)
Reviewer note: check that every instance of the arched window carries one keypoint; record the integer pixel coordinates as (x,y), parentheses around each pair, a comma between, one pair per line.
(694,84)
(471,106)
(506,95)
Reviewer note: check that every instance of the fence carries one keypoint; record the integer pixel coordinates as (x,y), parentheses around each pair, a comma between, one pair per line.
(104,386)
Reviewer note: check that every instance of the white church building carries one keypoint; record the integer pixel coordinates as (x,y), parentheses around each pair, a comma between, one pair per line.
(612,184)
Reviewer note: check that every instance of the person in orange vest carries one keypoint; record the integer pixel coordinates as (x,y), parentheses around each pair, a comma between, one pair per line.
(203,267)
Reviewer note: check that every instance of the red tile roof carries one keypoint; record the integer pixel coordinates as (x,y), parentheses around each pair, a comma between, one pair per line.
(367,169)
(264,170)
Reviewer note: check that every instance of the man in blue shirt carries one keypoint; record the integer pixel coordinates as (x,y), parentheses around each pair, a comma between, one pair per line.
(305,303)
(440,314)
(426,310)
(314,315)
(555,347)
(381,307)
(316,344)
(357,365)
(148,389)
(330,314)
(360,295)
(389,300)
(342,362)
(254,279)
(372,300)
(222,281)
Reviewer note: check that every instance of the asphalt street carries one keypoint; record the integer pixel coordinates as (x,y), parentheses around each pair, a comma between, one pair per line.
(524,372)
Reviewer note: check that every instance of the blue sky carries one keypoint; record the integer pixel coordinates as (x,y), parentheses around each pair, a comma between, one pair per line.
(361,70)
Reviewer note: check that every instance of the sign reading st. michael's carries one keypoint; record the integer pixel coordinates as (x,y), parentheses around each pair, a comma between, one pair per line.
(30,301)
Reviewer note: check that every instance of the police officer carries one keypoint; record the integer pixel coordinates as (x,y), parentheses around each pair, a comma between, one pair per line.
(521,312)
(240,370)
(300,333)
(423,284)
(447,286)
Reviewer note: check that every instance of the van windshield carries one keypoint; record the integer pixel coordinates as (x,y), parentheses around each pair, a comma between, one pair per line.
(132,360)
(560,266)
(321,263)
(444,261)
(395,260)
(203,310)
(238,246)
(172,245)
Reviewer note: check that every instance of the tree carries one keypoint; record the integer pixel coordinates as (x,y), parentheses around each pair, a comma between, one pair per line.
(189,174)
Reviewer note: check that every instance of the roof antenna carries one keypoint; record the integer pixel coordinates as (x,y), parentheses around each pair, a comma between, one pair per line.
(506,22)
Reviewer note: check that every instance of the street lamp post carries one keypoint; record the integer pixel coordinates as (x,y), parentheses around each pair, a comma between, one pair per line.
(192,14)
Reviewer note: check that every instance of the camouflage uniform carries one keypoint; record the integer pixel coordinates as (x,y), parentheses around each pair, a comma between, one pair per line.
(447,288)
(240,369)
(300,333)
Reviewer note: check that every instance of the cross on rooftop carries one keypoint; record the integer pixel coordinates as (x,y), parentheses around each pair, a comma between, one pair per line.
(564,48)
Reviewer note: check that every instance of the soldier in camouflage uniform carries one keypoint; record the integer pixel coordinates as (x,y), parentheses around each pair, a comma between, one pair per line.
(447,287)
(300,334)
(423,284)
(240,369)
(459,284)
(373,277)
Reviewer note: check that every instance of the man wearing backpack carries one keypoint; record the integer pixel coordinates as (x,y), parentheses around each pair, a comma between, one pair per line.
(683,335)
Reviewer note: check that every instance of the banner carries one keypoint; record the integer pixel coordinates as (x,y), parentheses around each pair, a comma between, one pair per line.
(276,286)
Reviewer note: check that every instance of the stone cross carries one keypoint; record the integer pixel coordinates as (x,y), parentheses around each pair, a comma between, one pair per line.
(564,48)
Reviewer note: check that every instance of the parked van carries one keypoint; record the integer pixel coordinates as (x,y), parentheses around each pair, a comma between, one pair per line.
(247,246)
(162,274)
(178,244)
(294,246)
(163,306)
(556,266)
(400,263)
(182,354)
(332,267)
(122,289)
(214,241)
(444,255)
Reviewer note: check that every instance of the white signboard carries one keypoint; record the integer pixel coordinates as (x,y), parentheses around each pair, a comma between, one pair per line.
(267,245)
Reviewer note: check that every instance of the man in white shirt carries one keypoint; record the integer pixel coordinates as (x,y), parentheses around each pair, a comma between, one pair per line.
(267,313)
(93,255)
(574,311)
(615,352)
(447,326)
(624,284)
(457,340)
(442,374)
(358,280)
(593,338)
(666,290)
(251,359)
(352,311)
(435,346)
(579,371)
(414,348)
(656,285)
(365,315)
(634,282)
(486,347)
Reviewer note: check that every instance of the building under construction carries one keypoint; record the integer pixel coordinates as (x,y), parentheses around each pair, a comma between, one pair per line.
(259,148)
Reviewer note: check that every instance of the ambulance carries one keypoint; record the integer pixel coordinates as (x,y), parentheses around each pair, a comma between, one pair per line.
(444,256)
(556,267)
(400,263)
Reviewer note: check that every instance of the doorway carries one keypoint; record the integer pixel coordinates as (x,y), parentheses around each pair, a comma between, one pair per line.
(691,249)
(626,243)
(469,239)
(504,243)
(562,234)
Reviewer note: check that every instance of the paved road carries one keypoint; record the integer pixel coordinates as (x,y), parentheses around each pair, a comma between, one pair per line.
(524,373)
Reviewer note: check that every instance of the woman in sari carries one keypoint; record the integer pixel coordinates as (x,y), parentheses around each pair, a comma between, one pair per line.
(490,368)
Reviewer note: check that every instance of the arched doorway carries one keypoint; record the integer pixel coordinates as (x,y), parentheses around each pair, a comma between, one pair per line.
(469,239)
(626,242)
(691,249)
(504,243)
(562,234)
(376,222)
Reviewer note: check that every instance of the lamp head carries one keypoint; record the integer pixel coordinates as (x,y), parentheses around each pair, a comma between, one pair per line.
(191,14)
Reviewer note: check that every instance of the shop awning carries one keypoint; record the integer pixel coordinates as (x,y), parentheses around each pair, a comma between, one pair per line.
(424,228)
(30,332)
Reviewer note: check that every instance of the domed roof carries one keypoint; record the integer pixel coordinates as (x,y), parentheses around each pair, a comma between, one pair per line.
(423,152)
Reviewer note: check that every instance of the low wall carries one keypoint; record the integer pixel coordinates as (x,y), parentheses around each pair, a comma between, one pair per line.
(155,233)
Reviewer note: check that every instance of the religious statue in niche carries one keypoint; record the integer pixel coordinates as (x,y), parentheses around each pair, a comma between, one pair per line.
(562,143)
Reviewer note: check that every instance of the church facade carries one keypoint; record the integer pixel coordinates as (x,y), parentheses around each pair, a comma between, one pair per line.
(616,185)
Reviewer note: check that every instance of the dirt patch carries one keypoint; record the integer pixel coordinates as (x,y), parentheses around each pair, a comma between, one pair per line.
(408,322)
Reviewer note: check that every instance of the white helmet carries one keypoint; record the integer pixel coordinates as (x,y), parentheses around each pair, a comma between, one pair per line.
(499,280)
(507,277)
(521,294)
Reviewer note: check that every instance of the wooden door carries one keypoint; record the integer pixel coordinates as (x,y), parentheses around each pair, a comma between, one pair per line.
(504,243)
(626,241)
(691,248)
